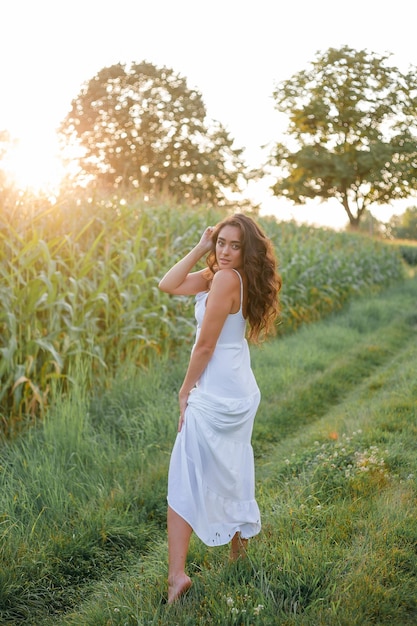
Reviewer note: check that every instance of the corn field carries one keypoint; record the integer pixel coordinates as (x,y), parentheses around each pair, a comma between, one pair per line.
(78,281)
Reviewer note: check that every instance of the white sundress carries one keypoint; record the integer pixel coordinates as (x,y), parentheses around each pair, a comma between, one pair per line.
(211,478)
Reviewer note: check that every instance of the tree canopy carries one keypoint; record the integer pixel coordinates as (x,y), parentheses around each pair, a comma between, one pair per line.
(352,132)
(141,127)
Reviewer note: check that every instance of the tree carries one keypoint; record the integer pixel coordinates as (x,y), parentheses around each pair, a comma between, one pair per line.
(140,127)
(353,122)
(404,226)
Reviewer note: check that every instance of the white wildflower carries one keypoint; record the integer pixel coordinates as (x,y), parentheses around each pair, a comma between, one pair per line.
(258,609)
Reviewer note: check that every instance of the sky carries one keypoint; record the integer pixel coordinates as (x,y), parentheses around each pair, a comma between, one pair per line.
(233,52)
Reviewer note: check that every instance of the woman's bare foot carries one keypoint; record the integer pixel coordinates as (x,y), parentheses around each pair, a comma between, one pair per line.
(177,586)
(238,548)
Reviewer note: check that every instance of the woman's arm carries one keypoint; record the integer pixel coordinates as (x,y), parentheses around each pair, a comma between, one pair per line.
(224,292)
(179,280)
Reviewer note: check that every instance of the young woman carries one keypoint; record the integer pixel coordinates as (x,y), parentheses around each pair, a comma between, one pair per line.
(211,478)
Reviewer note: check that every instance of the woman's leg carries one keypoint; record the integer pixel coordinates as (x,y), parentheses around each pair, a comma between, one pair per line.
(238,547)
(179,534)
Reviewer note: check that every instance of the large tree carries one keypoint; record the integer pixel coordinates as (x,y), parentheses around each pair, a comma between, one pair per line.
(140,127)
(352,132)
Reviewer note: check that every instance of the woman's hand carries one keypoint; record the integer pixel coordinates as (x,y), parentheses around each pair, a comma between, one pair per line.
(180,280)
(206,242)
(183,401)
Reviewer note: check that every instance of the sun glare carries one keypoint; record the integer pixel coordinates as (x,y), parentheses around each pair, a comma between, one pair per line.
(33,164)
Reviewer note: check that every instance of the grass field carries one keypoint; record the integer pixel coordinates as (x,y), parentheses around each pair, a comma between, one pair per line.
(82,496)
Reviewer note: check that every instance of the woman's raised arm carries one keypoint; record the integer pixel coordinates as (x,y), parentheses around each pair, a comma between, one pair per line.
(179,280)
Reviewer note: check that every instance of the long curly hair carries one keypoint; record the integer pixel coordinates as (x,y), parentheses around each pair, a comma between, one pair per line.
(260,269)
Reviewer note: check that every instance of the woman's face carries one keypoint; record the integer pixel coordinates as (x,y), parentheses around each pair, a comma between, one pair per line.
(229,252)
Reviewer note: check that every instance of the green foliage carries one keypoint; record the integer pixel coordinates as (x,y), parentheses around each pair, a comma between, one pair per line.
(83,495)
(141,127)
(86,287)
(322,269)
(408,251)
(404,226)
(353,118)
(82,279)
(409,254)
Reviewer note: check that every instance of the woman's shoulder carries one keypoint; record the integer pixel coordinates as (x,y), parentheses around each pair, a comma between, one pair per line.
(226,282)
(227,275)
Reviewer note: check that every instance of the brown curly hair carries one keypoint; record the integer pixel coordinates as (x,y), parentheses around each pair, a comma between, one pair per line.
(260,268)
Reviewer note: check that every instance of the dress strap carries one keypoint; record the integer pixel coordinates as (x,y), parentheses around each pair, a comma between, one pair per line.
(241,289)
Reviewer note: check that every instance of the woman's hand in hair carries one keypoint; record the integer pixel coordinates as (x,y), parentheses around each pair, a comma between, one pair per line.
(206,242)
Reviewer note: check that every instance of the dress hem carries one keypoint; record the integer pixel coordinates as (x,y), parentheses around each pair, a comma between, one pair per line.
(218,542)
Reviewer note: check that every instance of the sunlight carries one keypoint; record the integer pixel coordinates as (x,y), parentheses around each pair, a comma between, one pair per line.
(33,164)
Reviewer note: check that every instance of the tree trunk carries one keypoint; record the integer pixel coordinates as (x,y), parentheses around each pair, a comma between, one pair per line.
(353,219)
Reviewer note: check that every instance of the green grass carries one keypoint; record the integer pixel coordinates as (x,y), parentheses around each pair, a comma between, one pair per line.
(82,497)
